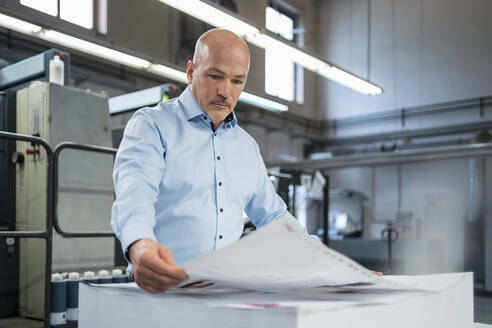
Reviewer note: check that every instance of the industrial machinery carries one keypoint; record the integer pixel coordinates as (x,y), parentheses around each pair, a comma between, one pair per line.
(138,99)
(13,78)
(54,113)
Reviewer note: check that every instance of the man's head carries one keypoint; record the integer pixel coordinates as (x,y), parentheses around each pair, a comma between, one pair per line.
(218,72)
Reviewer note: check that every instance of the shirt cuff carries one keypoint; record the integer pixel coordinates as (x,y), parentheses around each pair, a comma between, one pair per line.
(134,232)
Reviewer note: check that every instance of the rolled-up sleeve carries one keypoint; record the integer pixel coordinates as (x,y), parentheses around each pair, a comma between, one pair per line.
(137,173)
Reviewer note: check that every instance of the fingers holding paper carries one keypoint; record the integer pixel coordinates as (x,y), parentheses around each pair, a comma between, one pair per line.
(154,267)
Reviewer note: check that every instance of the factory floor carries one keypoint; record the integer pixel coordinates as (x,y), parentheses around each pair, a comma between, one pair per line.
(482,307)
(27,323)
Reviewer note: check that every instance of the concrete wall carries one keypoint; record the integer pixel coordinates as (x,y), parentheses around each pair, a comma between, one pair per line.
(419,52)
(437,197)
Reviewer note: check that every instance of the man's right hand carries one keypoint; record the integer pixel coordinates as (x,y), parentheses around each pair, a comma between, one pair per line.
(154,268)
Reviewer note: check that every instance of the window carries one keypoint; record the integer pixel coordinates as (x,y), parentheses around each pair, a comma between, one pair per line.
(283,78)
(80,12)
(47,6)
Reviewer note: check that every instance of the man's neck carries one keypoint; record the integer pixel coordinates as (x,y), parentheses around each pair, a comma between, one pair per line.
(215,125)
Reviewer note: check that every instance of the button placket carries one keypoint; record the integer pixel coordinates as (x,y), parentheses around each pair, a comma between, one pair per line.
(219,187)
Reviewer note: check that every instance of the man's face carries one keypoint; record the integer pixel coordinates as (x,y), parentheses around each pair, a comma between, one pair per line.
(217,79)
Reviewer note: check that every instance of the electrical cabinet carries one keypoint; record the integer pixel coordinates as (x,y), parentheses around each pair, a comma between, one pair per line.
(9,250)
(57,114)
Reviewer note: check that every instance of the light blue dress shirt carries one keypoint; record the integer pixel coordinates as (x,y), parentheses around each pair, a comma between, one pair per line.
(185,186)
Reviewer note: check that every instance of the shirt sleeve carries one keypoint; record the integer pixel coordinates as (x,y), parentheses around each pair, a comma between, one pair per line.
(137,173)
(265,205)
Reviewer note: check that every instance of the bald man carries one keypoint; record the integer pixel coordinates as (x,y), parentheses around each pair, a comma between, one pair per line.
(185,171)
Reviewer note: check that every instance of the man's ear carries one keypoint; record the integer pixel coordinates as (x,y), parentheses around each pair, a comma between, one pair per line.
(190,69)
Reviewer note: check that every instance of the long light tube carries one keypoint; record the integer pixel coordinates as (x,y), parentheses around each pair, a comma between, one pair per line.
(92,49)
(216,17)
(119,57)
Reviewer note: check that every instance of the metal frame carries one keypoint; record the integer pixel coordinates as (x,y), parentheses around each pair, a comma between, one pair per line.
(32,68)
(58,149)
(386,158)
(51,216)
(48,233)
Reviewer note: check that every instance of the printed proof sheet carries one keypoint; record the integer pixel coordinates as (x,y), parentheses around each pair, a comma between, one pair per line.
(279,256)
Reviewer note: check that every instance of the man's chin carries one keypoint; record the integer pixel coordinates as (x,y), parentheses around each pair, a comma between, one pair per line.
(218,112)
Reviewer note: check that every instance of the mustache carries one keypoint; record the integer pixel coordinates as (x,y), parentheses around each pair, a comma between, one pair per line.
(221,101)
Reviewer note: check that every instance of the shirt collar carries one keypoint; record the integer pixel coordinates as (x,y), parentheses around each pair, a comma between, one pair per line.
(189,105)
(191,109)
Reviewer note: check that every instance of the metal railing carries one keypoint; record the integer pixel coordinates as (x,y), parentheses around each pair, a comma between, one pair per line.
(51,202)
(56,224)
(45,234)
(387,158)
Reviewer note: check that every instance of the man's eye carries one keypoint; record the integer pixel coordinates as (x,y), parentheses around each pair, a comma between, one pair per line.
(239,82)
(214,77)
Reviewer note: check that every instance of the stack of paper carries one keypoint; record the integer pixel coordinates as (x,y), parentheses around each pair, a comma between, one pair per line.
(280,277)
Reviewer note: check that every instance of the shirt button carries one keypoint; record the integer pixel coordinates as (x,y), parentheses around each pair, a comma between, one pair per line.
(205,118)
(218,157)
(222,210)
(220,183)
(220,237)
(215,134)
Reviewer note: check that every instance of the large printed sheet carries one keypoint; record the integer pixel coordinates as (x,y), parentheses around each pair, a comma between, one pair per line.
(282,256)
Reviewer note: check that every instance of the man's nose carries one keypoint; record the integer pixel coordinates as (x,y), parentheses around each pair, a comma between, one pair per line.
(224,89)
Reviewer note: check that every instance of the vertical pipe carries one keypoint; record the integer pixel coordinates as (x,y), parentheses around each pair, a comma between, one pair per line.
(474,238)
(390,249)
(326,209)
(49,239)
(488,241)
(399,189)
(293,203)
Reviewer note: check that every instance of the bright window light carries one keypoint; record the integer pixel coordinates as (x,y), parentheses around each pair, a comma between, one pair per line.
(119,57)
(279,69)
(46,6)
(279,23)
(279,75)
(215,17)
(80,12)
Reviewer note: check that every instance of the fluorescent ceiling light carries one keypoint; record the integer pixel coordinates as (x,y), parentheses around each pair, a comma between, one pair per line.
(135,100)
(168,72)
(119,57)
(92,49)
(18,25)
(262,102)
(216,17)
(212,16)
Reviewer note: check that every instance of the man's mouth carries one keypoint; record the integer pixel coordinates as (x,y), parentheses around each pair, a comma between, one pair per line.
(221,104)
